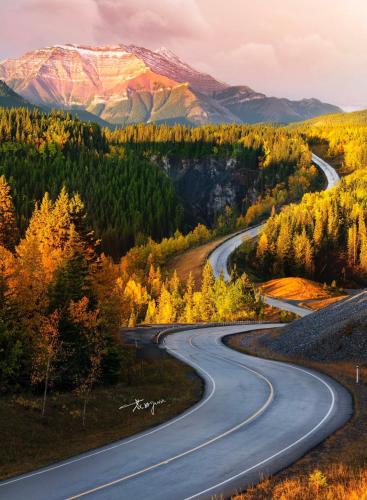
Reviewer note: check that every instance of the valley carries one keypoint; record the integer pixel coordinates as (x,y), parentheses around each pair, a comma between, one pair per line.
(66,334)
(183,250)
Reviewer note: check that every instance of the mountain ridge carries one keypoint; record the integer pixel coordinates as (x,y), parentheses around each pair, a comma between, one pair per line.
(10,99)
(123,84)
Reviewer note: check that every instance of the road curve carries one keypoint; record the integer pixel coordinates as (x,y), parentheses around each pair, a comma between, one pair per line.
(331,174)
(220,256)
(256,417)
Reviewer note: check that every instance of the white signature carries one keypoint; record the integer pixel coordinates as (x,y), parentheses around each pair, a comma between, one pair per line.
(140,404)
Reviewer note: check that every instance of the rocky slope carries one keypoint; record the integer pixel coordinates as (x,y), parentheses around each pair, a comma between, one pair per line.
(206,186)
(128,84)
(338,332)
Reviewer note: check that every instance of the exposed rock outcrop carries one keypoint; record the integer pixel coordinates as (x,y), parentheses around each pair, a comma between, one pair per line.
(207,185)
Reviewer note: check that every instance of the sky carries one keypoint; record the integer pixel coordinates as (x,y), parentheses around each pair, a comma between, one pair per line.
(284,48)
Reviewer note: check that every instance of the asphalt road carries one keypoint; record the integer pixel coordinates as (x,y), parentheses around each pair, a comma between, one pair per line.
(331,174)
(257,416)
(220,256)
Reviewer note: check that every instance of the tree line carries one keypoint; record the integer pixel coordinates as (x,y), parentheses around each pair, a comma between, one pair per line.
(62,302)
(344,134)
(128,198)
(120,176)
(323,237)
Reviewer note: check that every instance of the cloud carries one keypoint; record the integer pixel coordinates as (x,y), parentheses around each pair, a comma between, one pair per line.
(149,22)
(249,62)
(30,24)
(310,49)
(278,47)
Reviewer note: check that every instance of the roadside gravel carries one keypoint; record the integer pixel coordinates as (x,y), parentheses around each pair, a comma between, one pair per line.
(338,332)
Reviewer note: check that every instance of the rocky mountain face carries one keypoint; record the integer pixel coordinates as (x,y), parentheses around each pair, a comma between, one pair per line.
(128,84)
(206,186)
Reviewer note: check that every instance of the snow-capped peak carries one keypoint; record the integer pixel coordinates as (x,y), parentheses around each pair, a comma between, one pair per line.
(108,51)
(167,53)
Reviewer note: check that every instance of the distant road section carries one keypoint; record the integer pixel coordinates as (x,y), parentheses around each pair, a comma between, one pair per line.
(220,256)
(331,174)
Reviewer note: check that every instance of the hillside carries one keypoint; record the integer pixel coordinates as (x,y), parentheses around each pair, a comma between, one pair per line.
(294,289)
(337,332)
(10,99)
(353,118)
(126,84)
(127,196)
(272,109)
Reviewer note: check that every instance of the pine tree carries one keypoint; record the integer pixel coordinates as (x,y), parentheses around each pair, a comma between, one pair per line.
(150,316)
(8,228)
(309,259)
(352,245)
(174,288)
(319,229)
(284,243)
(154,281)
(263,246)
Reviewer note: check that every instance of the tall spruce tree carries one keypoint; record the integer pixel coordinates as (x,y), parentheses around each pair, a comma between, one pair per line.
(8,228)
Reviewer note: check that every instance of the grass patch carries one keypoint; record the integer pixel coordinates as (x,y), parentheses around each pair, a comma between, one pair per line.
(296,289)
(32,441)
(337,468)
(193,261)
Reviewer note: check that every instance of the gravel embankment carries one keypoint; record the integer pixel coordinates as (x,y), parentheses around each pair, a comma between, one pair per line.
(338,332)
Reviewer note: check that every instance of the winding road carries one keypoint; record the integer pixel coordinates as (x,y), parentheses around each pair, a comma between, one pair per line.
(220,256)
(256,417)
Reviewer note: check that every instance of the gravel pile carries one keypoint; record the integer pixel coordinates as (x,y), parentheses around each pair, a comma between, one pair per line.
(338,332)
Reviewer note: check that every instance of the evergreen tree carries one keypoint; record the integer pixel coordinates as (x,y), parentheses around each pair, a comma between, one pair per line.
(8,228)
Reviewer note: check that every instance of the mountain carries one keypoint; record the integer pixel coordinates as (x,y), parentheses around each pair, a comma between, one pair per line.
(85,116)
(272,109)
(128,84)
(10,99)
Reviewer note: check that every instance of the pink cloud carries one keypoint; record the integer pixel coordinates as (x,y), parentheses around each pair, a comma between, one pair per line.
(31,24)
(278,47)
(144,21)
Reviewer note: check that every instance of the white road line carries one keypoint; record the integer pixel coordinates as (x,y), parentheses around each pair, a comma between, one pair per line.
(196,448)
(153,431)
(327,169)
(194,409)
(219,257)
(232,478)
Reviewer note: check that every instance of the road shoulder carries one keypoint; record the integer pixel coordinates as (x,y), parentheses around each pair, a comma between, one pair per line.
(342,453)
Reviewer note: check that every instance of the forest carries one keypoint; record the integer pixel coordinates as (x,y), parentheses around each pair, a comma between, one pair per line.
(125,194)
(63,301)
(119,176)
(65,290)
(324,237)
(344,134)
